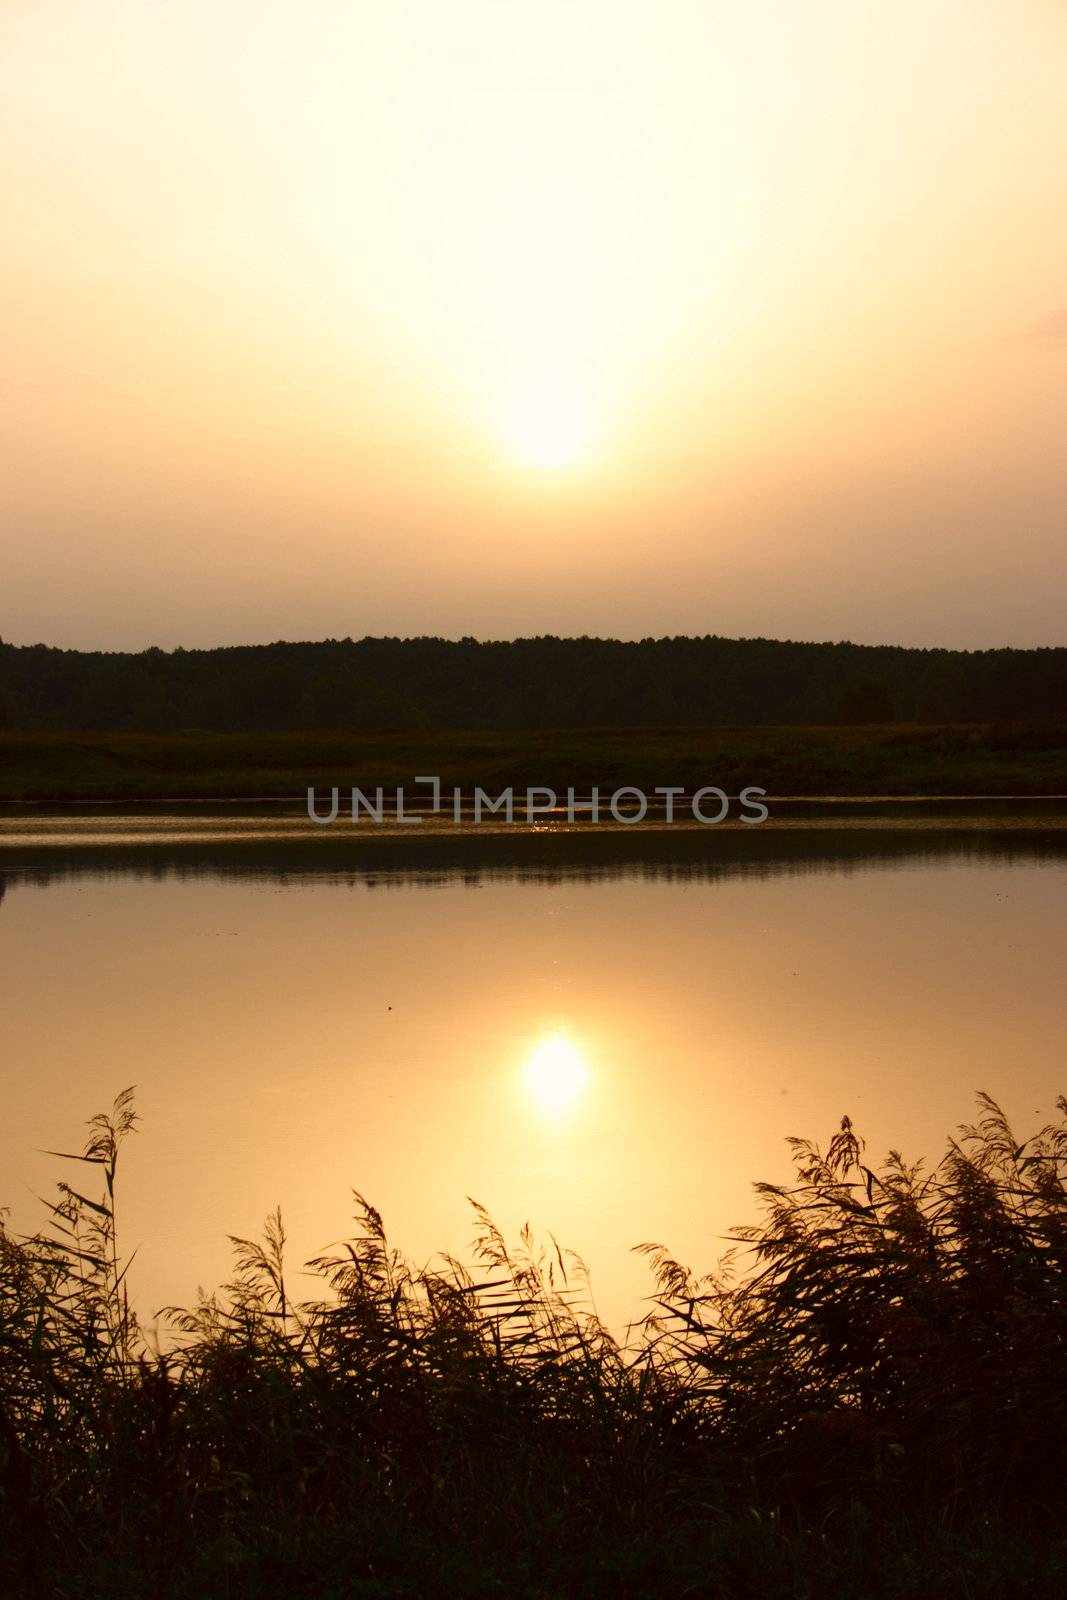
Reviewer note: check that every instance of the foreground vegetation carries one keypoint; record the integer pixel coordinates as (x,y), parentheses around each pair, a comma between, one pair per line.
(867,1399)
(1018,758)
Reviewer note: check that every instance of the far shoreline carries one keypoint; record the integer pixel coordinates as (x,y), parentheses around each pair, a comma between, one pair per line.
(898,763)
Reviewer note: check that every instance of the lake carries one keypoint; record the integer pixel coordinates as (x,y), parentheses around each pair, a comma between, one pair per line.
(609,1033)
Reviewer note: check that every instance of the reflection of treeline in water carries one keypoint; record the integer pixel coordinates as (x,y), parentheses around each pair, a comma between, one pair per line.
(593,856)
(868,1398)
(544,682)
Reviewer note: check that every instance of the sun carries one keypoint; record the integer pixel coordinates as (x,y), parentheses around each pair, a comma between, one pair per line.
(549,438)
(555,1074)
(548,423)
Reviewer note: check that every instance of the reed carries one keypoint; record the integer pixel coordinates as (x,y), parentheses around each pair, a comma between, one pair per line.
(866,1397)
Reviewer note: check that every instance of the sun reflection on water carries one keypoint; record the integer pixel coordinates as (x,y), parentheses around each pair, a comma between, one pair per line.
(555,1074)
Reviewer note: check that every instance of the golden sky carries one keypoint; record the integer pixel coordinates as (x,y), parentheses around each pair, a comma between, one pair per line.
(487,317)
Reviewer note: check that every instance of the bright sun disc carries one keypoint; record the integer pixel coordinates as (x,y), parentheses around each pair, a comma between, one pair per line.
(548,424)
(548,442)
(555,1075)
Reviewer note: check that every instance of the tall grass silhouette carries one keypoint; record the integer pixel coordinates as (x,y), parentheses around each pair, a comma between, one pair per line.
(866,1396)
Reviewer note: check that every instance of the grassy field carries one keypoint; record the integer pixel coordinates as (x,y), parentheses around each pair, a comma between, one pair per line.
(883,759)
(868,1401)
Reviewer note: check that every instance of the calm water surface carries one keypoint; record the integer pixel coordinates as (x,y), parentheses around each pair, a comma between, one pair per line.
(609,1034)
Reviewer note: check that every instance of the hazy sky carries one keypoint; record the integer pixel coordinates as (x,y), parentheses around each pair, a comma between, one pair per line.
(487,317)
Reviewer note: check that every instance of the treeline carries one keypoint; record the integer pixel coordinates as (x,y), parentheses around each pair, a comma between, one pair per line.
(544,682)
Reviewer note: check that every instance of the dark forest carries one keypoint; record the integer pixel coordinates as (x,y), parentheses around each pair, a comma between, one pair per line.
(544,682)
